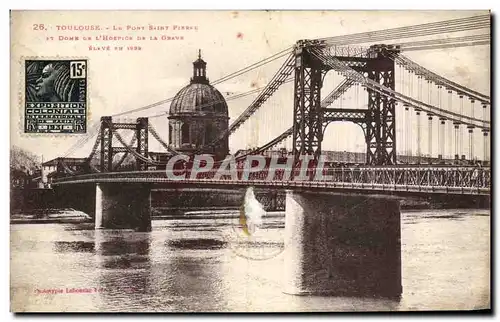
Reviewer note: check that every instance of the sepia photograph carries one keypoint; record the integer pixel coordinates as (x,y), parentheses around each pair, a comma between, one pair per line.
(237,161)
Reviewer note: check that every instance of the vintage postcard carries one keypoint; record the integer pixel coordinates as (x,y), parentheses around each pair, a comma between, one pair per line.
(250,161)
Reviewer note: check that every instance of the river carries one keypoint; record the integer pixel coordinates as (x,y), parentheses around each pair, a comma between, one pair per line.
(190,265)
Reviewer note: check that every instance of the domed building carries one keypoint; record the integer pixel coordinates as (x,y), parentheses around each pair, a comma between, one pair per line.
(198,116)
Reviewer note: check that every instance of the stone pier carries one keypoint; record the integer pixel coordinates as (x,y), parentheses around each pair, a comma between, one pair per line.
(123,206)
(343,245)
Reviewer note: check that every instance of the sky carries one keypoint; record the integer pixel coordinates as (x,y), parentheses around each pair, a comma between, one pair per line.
(229,40)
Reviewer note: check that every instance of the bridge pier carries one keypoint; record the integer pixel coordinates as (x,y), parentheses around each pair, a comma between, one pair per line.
(342,245)
(123,206)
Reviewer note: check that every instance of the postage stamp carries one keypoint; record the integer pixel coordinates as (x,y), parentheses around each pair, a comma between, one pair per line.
(55,96)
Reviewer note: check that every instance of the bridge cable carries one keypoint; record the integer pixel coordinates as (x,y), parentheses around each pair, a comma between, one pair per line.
(91,132)
(485,135)
(408,116)
(439,79)
(461,138)
(446,46)
(471,132)
(450,40)
(328,100)
(389,93)
(441,126)
(428,29)
(409,28)
(125,154)
(403,121)
(476,19)
(230,98)
(225,78)
(419,149)
(218,81)
(429,115)
(279,78)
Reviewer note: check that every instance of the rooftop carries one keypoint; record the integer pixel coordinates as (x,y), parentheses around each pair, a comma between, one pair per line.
(69,161)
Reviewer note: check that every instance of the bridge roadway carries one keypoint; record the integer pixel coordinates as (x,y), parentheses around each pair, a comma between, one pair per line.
(397,180)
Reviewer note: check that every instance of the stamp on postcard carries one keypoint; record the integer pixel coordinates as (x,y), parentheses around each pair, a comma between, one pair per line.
(55,96)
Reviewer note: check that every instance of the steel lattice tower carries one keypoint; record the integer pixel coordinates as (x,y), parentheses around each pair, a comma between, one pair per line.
(307,113)
(106,144)
(142,142)
(107,149)
(310,119)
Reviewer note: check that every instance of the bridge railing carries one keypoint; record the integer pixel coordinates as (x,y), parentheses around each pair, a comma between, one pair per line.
(458,177)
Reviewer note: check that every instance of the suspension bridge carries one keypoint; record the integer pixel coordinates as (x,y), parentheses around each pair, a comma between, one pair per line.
(420,128)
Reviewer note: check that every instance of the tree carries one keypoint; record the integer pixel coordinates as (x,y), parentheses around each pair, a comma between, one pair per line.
(22,160)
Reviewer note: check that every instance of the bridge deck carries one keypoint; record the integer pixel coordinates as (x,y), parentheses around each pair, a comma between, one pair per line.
(367,180)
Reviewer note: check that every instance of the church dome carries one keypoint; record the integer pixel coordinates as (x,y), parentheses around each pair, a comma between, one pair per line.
(199,98)
(198,116)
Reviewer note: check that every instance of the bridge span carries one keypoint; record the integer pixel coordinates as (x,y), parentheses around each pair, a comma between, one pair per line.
(391,180)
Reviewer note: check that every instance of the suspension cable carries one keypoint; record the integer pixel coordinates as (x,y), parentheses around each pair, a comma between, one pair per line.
(442,27)
(437,78)
(386,91)
(218,81)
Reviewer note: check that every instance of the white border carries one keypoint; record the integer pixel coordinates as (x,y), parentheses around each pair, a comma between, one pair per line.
(186,5)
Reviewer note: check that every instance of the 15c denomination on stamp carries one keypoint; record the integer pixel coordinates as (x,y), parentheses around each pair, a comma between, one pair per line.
(55,96)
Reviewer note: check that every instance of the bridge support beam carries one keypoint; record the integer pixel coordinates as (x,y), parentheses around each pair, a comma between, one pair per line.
(342,245)
(125,206)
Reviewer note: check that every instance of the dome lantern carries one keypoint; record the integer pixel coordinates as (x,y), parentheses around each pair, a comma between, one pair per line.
(199,71)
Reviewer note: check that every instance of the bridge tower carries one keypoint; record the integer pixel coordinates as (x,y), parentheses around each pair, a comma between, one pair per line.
(108,151)
(106,144)
(310,119)
(142,142)
(307,113)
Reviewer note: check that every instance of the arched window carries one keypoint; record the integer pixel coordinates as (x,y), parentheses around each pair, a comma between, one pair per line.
(185,133)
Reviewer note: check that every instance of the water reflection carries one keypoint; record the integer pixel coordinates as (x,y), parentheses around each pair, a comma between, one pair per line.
(199,243)
(187,265)
(123,263)
(73,247)
(193,283)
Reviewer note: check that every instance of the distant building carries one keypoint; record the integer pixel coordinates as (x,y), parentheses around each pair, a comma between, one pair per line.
(329,156)
(25,178)
(198,115)
(19,178)
(59,166)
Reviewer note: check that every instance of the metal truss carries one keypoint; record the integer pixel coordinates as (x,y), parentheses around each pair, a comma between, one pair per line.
(378,121)
(106,144)
(388,180)
(108,151)
(345,115)
(415,176)
(142,142)
(307,112)
(381,123)
(271,200)
(337,92)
